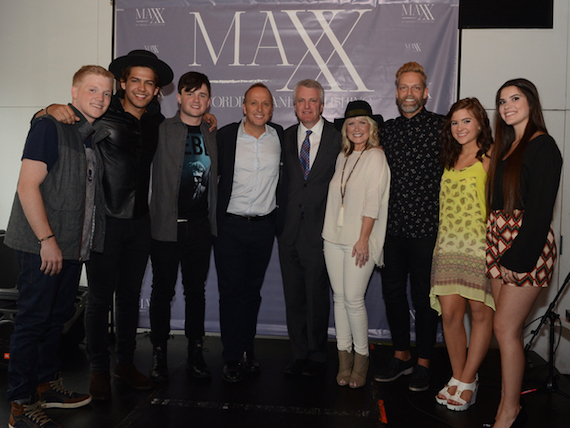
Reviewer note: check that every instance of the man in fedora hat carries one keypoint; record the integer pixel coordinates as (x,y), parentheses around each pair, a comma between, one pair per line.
(412,145)
(305,280)
(132,120)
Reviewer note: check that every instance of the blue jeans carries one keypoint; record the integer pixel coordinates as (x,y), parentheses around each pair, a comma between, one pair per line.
(45,303)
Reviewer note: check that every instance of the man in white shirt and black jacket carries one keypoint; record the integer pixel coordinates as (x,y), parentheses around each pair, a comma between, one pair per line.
(250,167)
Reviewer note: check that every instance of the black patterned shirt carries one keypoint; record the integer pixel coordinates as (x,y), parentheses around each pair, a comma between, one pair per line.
(412,147)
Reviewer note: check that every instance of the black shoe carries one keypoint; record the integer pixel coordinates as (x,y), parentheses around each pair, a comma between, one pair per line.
(195,363)
(159,372)
(295,367)
(419,381)
(250,365)
(521,420)
(396,368)
(313,368)
(232,372)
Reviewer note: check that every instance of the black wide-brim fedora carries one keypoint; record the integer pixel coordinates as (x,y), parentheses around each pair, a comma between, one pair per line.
(355,109)
(142,58)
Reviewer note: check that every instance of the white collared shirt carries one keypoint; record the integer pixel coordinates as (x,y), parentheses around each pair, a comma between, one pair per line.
(314,139)
(256,173)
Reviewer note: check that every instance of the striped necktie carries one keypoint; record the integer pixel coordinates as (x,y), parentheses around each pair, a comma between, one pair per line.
(304,157)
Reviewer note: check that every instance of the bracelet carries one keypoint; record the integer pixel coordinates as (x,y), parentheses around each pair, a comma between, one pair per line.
(48,113)
(45,239)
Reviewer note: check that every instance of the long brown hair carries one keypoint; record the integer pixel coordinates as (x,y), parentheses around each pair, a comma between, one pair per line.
(504,139)
(450,148)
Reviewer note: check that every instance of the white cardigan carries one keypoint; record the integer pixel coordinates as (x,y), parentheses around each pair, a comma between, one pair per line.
(367,194)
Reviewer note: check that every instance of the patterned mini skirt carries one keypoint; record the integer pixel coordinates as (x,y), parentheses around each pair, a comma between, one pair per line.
(502,229)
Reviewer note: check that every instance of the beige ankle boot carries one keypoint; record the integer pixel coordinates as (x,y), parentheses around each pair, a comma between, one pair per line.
(345,362)
(359,371)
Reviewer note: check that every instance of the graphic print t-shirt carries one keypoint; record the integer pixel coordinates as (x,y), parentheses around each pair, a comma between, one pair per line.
(193,196)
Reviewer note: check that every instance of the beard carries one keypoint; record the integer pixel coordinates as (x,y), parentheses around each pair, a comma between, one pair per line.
(410,108)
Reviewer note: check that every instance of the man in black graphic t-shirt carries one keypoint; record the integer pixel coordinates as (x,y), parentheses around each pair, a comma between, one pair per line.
(182,209)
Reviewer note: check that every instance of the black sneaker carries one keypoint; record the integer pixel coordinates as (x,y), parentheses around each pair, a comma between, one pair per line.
(419,381)
(396,368)
(53,394)
(30,416)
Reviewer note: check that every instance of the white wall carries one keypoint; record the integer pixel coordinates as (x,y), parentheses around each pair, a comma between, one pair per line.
(488,59)
(42,43)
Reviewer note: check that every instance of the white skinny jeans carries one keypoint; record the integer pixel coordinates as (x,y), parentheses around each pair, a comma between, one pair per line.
(349,283)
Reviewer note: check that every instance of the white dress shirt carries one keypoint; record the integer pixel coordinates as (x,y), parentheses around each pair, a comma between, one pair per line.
(256,173)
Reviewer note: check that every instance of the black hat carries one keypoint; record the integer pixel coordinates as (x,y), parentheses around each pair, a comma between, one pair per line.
(358,108)
(142,58)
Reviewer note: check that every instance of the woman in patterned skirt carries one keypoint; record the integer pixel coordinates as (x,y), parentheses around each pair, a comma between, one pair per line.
(523,183)
(458,269)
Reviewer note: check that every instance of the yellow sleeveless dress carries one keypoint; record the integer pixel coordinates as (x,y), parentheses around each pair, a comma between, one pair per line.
(458,265)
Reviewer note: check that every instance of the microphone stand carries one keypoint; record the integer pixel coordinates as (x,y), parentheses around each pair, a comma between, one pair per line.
(550,315)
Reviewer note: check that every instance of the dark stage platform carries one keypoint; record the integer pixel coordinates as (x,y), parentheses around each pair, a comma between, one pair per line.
(272,400)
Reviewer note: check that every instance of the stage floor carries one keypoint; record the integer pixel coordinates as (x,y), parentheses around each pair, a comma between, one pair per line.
(272,400)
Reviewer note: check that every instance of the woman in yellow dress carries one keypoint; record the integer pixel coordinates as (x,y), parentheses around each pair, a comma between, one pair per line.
(458,270)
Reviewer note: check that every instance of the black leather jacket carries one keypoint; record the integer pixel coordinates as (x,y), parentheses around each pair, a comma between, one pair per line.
(127,155)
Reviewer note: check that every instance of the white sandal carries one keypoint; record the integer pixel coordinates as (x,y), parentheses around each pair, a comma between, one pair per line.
(445,391)
(464,405)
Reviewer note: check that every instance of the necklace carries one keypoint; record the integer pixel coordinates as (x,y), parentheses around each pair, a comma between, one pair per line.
(343,187)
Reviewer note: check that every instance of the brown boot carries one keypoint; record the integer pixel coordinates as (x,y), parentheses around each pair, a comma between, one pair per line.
(100,387)
(345,362)
(359,371)
(128,374)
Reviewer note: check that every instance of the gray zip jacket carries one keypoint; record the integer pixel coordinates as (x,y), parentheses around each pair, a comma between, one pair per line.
(166,175)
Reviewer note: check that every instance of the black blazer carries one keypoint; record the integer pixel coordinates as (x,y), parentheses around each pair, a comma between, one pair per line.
(226,138)
(309,197)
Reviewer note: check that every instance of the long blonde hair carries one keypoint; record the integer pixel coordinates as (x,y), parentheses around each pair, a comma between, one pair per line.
(373,138)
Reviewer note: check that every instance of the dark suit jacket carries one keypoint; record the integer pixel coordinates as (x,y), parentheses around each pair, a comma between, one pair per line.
(308,197)
(226,138)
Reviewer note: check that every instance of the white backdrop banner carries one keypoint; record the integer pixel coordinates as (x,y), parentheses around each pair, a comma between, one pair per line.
(352,47)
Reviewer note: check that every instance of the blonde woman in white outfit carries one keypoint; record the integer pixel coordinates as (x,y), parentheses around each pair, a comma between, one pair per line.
(353,233)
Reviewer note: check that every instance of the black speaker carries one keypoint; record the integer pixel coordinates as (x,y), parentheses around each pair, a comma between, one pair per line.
(506,14)
(6,330)
(73,329)
(9,270)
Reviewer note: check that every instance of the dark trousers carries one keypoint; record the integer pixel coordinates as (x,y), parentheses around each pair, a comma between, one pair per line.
(242,252)
(118,269)
(192,253)
(307,297)
(413,256)
(45,303)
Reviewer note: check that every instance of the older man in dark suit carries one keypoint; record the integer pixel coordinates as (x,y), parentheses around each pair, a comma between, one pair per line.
(310,150)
